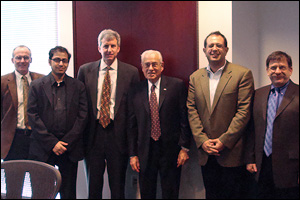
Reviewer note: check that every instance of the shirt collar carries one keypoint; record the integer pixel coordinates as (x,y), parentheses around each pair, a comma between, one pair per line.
(281,89)
(113,66)
(19,76)
(208,69)
(157,83)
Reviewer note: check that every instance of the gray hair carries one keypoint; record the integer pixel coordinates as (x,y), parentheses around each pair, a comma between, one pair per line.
(109,34)
(20,46)
(149,52)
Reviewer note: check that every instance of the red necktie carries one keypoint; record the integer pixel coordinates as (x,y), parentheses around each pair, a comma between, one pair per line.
(155,122)
(105,100)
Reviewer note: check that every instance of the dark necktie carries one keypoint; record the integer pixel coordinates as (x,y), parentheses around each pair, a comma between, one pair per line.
(25,99)
(155,122)
(271,113)
(105,100)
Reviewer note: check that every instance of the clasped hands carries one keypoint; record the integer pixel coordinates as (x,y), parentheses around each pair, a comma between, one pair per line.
(213,147)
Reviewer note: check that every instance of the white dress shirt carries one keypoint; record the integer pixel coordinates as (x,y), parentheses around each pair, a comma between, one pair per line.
(214,79)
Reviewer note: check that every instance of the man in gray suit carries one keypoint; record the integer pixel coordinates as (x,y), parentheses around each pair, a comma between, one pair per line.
(107,82)
(219,100)
(273,142)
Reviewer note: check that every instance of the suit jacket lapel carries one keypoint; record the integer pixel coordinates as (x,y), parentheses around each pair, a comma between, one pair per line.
(12,86)
(226,75)
(121,78)
(93,87)
(204,82)
(47,89)
(263,101)
(287,98)
(69,93)
(163,90)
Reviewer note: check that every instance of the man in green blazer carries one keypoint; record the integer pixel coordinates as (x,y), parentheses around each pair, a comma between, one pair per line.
(219,100)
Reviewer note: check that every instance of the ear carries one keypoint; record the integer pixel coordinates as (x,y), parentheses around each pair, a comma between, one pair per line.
(204,49)
(162,66)
(49,61)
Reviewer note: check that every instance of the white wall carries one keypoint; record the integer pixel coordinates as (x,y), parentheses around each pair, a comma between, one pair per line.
(261,27)
(214,16)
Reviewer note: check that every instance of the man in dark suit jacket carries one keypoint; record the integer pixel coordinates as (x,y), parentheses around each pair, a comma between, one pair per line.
(15,135)
(57,112)
(276,164)
(166,152)
(107,143)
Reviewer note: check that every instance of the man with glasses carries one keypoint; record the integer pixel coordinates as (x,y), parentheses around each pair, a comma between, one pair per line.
(57,113)
(159,133)
(15,131)
(273,143)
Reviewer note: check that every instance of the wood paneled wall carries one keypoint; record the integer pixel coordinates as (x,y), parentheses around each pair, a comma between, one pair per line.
(167,26)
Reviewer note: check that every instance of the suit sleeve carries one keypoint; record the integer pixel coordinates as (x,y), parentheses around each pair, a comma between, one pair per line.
(186,134)
(193,116)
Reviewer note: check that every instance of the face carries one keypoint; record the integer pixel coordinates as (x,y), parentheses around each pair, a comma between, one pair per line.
(279,72)
(59,63)
(21,60)
(152,67)
(109,50)
(215,50)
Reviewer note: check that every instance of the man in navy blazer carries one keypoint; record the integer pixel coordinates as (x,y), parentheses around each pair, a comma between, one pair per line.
(107,145)
(57,113)
(275,163)
(165,154)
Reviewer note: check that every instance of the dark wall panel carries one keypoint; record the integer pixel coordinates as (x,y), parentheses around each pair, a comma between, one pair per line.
(167,26)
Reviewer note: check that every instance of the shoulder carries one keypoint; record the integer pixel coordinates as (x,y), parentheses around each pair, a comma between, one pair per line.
(90,65)
(74,82)
(198,72)
(237,68)
(173,80)
(126,66)
(35,75)
(7,77)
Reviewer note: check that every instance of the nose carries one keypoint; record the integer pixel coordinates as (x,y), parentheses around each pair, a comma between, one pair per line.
(277,71)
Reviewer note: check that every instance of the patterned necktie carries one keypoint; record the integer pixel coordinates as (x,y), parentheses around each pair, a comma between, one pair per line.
(25,99)
(105,100)
(271,113)
(155,122)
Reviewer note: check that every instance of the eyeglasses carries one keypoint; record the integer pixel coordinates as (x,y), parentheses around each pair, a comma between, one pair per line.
(154,64)
(58,60)
(19,58)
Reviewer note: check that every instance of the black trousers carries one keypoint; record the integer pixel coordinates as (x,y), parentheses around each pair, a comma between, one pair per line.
(19,149)
(105,152)
(266,186)
(166,165)
(223,182)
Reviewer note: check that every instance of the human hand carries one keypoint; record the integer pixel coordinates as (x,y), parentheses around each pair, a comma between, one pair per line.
(209,148)
(60,148)
(217,144)
(135,163)
(251,167)
(182,157)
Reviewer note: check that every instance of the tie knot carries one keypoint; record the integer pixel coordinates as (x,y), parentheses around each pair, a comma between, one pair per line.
(152,88)
(108,68)
(24,77)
